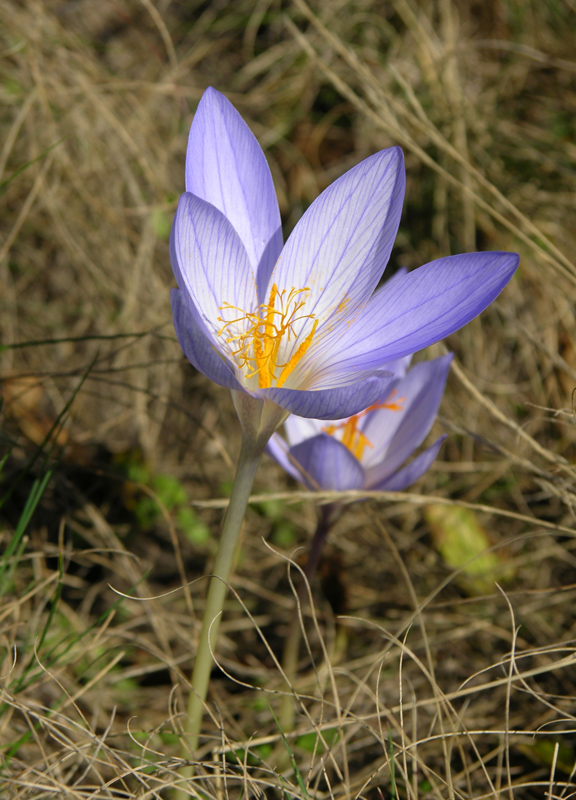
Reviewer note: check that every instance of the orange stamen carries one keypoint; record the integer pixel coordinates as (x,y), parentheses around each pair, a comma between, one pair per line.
(287,369)
(352,437)
(268,328)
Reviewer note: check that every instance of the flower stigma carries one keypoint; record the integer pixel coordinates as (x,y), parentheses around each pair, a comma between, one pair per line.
(259,336)
(352,437)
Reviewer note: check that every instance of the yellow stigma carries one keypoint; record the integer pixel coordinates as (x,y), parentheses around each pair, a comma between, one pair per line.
(260,334)
(352,437)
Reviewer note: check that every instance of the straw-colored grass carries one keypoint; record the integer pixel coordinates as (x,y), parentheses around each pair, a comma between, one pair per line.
(417,681)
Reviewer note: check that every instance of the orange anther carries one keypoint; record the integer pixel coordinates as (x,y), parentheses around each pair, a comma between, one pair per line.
(260,335)
(352,437)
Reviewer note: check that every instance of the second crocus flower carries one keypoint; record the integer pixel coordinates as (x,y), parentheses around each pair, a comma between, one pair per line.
(368,450)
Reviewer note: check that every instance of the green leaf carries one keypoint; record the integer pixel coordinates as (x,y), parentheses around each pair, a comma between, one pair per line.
(543,751)
(312,743)
(195,530)
(25,166)
(162,223)
(464,545)
(169,490)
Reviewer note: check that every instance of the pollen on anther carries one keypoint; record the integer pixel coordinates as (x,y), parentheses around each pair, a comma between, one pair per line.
(261,335)
(354,439)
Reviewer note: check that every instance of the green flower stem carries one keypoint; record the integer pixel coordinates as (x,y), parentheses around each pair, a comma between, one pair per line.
(292,643)
(250,455)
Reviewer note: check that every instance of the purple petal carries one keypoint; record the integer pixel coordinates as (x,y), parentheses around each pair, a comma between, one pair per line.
(410,473)
(400,273)
(225,166)
(399,367)
(340,247)
(327,465)
(331,376)
(279,450)
(299,428)
(337,403)
(199,348)
(209,261)
(396,434)
(419,309)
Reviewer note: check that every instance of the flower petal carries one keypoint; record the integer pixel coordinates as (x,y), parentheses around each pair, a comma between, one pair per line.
(396,434)
(299,428)
(336,403)
(333,376)
(225,166)
(326,464)
(410,473)
(400,273)
(340,247)
(209,260)
(399,367)
(280,452)
(198,347)
(419,309)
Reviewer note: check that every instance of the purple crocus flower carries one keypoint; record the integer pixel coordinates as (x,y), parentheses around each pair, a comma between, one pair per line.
(302,328)
(368,450)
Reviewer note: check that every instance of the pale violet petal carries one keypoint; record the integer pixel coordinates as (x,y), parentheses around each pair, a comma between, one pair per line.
(409,474)
(327,465)
(399,367)
(395,434)
(198,347)
(340,247)
(328,372)
(299,428)
(332,377)
(389,282)
(417,310)
(226,167)
(279,451)
(335,403)
(210,262)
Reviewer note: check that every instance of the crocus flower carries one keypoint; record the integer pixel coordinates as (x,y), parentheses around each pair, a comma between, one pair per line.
(303,329)
(369,450)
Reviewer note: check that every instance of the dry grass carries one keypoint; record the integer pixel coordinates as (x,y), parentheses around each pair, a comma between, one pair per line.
(417,682)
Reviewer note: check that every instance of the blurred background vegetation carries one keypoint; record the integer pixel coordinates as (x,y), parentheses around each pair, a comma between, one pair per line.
(441,659)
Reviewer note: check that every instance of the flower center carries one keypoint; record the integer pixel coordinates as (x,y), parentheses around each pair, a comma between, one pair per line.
(258,336)
(352,437)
